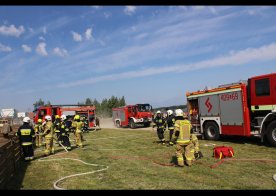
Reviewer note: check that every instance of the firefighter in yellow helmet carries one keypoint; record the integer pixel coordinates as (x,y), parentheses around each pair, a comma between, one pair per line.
(77,125)
(48,132)
(57,127)
(184,145)
(38,132)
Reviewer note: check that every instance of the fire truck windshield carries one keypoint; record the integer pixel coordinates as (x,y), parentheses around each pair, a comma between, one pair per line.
(144,108)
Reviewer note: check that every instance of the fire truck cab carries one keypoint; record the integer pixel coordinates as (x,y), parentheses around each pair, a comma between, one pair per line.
(132,115)
(246,108)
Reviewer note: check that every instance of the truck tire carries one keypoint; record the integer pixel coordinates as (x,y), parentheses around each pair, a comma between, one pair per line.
(132,124)
(118,124)
(271,133)
(146,124)
(211,131)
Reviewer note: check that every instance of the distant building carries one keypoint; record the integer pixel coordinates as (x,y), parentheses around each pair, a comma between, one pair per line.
(21,114)
(7,113)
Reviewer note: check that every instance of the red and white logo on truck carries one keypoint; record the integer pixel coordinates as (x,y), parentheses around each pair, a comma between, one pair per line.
(208,105)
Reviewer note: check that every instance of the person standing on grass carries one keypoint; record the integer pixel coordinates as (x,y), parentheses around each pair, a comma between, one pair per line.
(159,122)
(64,130)
(170,122)
(26,136)
(77,125)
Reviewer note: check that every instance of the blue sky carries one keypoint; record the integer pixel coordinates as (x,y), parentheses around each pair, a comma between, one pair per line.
(152,54)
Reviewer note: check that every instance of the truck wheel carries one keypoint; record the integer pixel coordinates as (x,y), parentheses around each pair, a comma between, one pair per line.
(132,124)
(146,124)
(271,133)
(211,131)
(118,124)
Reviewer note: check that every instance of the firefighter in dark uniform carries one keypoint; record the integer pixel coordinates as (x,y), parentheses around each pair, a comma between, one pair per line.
(170,122)
(26,136)
(64,130)
(159,122)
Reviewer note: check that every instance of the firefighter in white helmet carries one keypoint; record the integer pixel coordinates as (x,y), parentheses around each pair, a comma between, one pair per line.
(64,132)
(48,132)
(170,122)
(159,122)
(184,145)
(26,136)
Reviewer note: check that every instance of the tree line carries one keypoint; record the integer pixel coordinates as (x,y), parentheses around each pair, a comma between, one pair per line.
(104,109)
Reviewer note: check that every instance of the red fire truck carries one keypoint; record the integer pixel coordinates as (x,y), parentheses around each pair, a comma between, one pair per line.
(246,108)
(132,115)
(68,110)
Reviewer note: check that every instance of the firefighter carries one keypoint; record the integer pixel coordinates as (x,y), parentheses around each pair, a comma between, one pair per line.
(64,130)
(184,144)
(57,126)
(48,132)
(159,122)
(38,132)
(77,125)
(170,122)
(85,122)
(26,136)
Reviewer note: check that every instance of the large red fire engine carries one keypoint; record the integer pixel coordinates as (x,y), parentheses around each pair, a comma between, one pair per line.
(245,108)
(87,111)
(132,115)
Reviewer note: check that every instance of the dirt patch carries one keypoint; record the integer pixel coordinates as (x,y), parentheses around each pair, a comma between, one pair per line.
(108,123)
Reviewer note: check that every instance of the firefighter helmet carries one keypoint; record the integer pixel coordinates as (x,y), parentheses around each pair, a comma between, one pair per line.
(48,117)
(57,116)
(26,119)
(77,117)
(158,112)
(179,112)
(39,120)
(170,112)
(63,117)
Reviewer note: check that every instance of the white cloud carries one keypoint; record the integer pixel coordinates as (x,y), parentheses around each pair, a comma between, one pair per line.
(263,53)
(44,30)
(198,8)
(41,38)
(41,49)
(96,7)
(4,48)
(26,48)
(129,10)
(12,30)
(60,52)
(107,15)
(88,33)
(77,37)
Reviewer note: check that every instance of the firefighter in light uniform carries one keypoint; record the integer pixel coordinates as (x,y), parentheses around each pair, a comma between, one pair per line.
(77,125)
(64,130)
(26,136)
(57,126)
(170,122)
(183,137)
(48,132)
(159,122)
(38,132)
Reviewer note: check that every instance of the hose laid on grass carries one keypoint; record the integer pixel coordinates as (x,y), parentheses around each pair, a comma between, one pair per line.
(73,175)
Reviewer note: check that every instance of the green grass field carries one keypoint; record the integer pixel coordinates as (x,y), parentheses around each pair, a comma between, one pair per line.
(129,155)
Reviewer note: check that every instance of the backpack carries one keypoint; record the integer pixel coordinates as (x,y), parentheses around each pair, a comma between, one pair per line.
(223,151)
